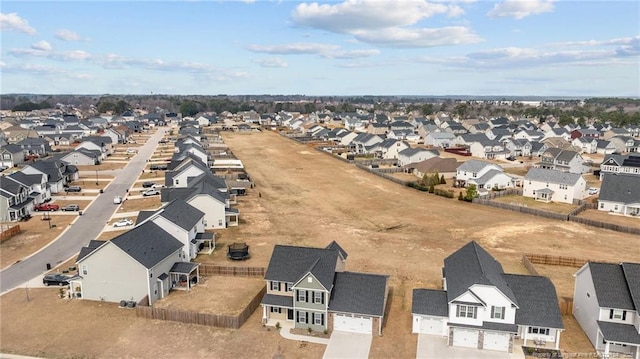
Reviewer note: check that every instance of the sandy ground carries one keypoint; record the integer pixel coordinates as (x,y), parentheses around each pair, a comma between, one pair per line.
(304,197)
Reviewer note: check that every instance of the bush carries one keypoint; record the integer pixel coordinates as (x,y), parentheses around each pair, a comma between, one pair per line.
(444,193)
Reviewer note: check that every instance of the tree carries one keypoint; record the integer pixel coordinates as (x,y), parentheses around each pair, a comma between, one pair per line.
(471,193)
(427,109)
(442,180)
(188,108)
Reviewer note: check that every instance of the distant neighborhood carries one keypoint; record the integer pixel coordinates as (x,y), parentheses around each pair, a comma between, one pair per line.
(197,181)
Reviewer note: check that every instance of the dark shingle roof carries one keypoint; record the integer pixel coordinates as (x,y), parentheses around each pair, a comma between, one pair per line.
(143,215)
(471,265)
(552,176)
(430,302)
(335,246)
(183,267)
(537,300)
(620,187)
(92,246)
(291,263)
(610,286)
(26,179)
(632,274)
(620,333)
(182,214)
(278,300)
(359,293)
(148,244)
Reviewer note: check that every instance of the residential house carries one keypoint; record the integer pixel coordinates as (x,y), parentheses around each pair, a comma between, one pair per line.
(412,155)
(605,147)
(563,160)
(482,307)
(11,156)
(308,288)
(585,132)
(585,144)
(140,265)
(118,134)
(623,144)
(616,131)
(82,157)
(35,146)
(529,135)
(517,147)
(620,193)
(97,143)
(376,128)
(15,202)
(389,148)
(492,180)
(440,139)
(615,163)
(346,138)
(559,133)
(363,141)
(606,304)
(189,167)
(489,149)
(554,186)
(36,184)
(59,173)
(474,169)
(443,166)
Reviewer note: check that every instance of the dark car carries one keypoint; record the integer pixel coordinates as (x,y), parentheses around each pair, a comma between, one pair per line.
(163,141)
(55,279)
(73,189)
(148,184)
(158,167)
(70,207)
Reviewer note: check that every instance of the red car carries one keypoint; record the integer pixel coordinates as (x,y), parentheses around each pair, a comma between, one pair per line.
(47,207)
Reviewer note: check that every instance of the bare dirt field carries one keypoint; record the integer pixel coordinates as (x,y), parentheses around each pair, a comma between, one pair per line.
(611,218)
(140,204)
(530,202)
(307,198)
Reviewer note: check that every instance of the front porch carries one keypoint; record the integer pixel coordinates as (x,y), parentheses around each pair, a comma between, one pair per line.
(205,242)
(544,195)
(184,275)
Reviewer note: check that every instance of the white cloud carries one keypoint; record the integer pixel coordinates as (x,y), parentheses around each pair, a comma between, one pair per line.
(41,46)
(351,54)
(67,35)
(396,22)
(293,49)
(272,62)
(12,21)
(519,9)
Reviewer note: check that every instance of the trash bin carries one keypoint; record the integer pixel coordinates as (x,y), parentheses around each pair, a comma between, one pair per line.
(101,191)
(79,213)
(48,266)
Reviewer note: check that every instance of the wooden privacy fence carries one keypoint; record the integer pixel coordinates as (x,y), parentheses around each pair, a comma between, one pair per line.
(605,225)
(9,232)
(558,260)
(212,320)
(522,209)
(383,175)
(210,269)
(527,264)
(566,305)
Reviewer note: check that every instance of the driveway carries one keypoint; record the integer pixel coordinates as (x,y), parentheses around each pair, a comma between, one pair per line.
(348,345)
(433,346)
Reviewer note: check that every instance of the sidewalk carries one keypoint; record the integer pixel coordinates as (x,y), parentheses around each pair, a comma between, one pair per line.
(285,333)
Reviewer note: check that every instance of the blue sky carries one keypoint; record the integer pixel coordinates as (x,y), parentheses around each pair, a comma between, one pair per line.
(352,47)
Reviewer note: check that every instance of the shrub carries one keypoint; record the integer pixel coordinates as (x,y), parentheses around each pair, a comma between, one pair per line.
(278,325)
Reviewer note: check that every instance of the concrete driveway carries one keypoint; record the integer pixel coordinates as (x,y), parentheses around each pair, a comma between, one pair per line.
(345,345)
(432,346)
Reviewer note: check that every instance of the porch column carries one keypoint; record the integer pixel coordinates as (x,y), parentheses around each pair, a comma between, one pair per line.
(524,337)
(558,339)
(264,313)
(605,355)
(637,356)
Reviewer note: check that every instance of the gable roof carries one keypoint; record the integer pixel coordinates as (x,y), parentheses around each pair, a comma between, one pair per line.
(359,293)
(335,246)
(537,300)
(182,214)
(632,274)
(430,302)
(552,176)
(471,265)
(620,187)
(148,244)
(611,286)
(92,246)
(291,263)
(475,165)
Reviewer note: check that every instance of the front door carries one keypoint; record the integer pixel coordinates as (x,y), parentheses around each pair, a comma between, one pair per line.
(290,314)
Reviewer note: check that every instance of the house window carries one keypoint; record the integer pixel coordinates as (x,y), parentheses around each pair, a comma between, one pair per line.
(287,287)
(497,312)
(276,310)
(318,318)
(618,314)
(535,330)
(466,311)
(275,285)
(601,205)
(85,269)
(302,317)
(302,296)
(318,297)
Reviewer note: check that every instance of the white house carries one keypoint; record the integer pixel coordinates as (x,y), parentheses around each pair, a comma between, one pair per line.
(489,149)
(474,169)
(606,304)
(482,307)
(554,186)
(620,193)
(585,144)
(411,155)
(440,139)
(493,179)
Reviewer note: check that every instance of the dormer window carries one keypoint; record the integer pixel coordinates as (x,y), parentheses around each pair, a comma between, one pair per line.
(618,314)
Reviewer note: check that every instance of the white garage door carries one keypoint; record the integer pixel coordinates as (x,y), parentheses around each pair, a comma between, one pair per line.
(496,341)
(352,324)
(431,326)
(465,338)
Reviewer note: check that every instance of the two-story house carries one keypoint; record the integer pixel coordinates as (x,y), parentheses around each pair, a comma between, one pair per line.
(309,288)
(474,169)
(554,186)
(482,307)
(59,173)
(15,202)
(620,193)
(489,149)
(614,163)
(36,183)
(606,304)
(413,155)
(563,160)
(11,156)
(389,148)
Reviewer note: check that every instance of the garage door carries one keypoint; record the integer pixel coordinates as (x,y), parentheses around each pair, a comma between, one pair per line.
(352,324)
(431,326)
(496,341)
(465,338)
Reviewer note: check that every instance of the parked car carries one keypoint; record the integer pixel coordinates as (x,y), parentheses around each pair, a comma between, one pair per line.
(131,150)
(71,207)
(73,189)
(593,190)
(148,184)
(163,141)
(46,207)
(123,223)
(158,167)
(117,200)
(151,192)
(55,279)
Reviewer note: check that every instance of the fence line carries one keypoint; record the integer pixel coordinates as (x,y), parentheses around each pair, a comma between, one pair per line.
(213,320)
(506,192)
(207,269)
(530,267)
(604,225)
(559,260)
(8,233)
(383,175)
(521,209)
(566,305)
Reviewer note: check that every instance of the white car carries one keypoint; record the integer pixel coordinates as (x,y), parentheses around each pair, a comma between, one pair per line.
(117,200)
(131,150)
(593,190)
(151,192)
(123,223)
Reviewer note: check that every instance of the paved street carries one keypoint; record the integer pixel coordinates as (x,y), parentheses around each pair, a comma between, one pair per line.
(85,228)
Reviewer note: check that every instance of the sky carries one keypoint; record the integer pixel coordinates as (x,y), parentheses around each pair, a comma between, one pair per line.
(322,48)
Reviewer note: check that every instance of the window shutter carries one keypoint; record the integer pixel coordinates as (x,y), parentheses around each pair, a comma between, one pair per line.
(322,318)
(306,316)
(504,309)
(610,313)
(322,302)
(624,315)
(493,311)
(307,297)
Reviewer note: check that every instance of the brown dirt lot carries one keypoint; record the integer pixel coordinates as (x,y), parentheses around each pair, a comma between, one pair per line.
(304,197)
(611,218)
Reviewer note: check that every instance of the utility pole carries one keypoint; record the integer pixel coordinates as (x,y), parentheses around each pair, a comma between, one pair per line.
(96,177)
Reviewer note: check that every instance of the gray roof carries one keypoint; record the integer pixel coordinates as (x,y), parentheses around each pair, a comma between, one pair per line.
(26,179)
(618,187)
(614,159)
(552,176)
(148,244)
(486,177)
(537,300)
(143,215)
(359,293)
(182,214)
(92,246)
(471,265)
(12,148)
(474,165)
(620,333)
(430,302)
(291,263)
(611,286)
(632,274)
(183,267)
(335,246)
(278,300)
(493,326)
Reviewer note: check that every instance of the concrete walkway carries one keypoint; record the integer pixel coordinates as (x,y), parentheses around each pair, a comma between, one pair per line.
(286,333)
